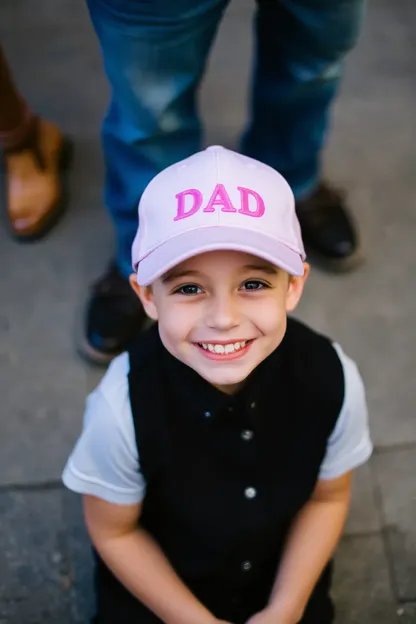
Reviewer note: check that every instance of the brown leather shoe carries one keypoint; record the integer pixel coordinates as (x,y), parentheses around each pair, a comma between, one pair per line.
(35,197)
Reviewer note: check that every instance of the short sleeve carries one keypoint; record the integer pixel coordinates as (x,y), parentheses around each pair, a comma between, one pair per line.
(349,444)
(105,462)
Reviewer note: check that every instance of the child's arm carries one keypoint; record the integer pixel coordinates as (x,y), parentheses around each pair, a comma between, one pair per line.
(310,545)
(138,562)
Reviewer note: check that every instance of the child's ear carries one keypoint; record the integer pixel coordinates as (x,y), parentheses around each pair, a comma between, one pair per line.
(295,289)
(145,295)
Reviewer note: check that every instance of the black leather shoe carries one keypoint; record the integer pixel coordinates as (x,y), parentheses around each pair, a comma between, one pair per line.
(329,235)
(113,317)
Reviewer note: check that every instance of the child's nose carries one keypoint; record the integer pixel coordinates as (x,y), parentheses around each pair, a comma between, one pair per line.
(223,313)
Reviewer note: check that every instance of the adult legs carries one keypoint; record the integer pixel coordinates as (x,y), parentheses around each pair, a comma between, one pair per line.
(300,49)
(154,54)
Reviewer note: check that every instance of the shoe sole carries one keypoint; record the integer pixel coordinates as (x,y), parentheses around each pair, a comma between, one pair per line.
(65,161)
(333,265)
(83,347)
(87,352)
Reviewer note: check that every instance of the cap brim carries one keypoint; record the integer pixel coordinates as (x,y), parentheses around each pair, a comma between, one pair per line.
(194,242)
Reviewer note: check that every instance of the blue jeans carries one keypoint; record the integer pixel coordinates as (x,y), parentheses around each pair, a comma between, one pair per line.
(155,53)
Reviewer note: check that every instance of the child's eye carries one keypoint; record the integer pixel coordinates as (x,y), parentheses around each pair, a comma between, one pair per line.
(188,289)
(254,285)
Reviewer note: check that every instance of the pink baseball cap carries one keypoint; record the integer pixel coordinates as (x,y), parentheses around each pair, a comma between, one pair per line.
(216,200)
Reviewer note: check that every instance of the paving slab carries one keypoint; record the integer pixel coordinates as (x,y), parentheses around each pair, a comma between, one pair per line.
(371,153)
(407,613)
(362,588)
(47,282)
(57,67)
(364,516)
(45,559)
(42,382)
(384,350)
(397,485)
(35,586)
(79,557)
(20,14)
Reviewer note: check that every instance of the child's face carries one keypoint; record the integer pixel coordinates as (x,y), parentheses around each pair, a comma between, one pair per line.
(222,313)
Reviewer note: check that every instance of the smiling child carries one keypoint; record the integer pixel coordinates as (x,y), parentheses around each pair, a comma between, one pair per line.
(216,456)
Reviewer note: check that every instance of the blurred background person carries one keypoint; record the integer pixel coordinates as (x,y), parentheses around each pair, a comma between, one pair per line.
(35,154)
(155,55)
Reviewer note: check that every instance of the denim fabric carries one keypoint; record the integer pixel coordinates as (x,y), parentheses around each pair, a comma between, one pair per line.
(155,53)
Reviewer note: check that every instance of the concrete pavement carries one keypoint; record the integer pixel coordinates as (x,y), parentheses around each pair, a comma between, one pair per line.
(44,555)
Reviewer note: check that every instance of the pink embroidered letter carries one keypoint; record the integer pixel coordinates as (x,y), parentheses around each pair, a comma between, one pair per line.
(220,197)
(257,211)
(182,213)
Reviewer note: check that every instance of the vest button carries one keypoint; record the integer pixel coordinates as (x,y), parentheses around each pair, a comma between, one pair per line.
(246,434)
(246,566)
(250,492)
(253,405)
(207,414)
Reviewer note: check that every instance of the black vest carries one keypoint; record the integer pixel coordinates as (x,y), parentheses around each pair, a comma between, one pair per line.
(227,475)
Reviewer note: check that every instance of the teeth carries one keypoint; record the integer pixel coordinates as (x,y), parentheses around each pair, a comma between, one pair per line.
(219,348)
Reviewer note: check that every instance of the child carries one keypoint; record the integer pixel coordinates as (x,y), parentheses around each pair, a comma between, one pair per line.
(216,456)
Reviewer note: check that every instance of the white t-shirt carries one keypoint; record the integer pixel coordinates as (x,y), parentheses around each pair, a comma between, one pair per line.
(105,461)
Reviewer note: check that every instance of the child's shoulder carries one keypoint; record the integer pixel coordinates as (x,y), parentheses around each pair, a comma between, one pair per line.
(316,359)
(146,347)
(302,340)
(304,336)
(114,386)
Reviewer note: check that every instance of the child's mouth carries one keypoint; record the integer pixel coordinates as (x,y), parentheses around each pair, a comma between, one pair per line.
(224,351)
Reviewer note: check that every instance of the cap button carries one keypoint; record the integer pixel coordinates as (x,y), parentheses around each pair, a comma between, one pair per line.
(212,148)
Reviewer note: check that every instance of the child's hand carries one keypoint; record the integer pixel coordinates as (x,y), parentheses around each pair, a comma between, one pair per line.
(270,616)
